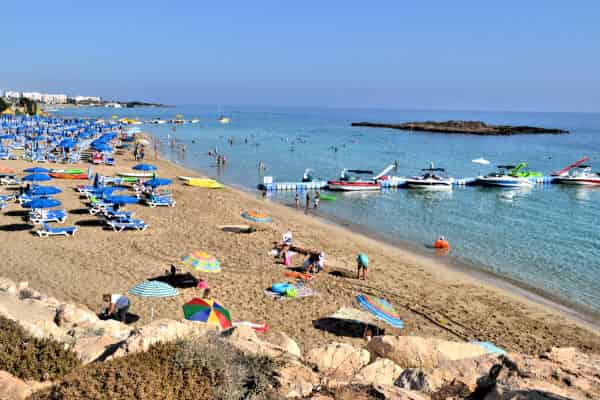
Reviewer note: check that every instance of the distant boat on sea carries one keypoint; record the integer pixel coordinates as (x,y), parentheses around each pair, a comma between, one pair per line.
(223,119)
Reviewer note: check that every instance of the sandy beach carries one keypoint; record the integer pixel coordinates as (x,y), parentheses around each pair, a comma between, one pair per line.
(432,299)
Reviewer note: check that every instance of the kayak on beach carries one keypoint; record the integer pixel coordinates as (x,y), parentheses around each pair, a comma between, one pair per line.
(57,175)
(136,174)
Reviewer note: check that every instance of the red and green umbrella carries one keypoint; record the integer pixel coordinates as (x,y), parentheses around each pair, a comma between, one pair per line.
(208,311)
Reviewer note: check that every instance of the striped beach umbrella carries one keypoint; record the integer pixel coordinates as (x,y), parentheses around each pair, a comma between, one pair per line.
(208,311)
(153,289)
(201,261)
(256,216)
(381,309)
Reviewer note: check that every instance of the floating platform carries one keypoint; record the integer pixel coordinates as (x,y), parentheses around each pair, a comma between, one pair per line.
(292,186)
(385,184)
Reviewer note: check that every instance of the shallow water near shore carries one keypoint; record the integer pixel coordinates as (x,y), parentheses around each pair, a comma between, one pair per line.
(545,237)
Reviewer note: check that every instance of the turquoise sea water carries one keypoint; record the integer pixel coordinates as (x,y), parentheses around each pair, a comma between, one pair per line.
(545,237)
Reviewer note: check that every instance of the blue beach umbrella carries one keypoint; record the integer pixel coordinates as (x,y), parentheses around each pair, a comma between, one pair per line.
(67,144)
(37,178)
(121,200)
(41,203)
(145,167)
(158,182)
(36,170)
(44,191)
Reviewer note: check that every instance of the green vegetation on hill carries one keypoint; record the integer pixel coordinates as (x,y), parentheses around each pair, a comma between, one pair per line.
(198,369)
(3,104)
(29,358)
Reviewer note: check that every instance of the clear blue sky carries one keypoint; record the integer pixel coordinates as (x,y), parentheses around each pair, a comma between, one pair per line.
(521,55)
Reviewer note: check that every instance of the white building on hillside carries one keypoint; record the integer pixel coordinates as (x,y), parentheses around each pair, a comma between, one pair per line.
(87,99)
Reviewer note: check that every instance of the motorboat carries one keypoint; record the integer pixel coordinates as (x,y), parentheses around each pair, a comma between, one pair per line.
(309,177)
(580,175)
(577,173)
(502,178)
(432,179)
(352,183)
(223,119)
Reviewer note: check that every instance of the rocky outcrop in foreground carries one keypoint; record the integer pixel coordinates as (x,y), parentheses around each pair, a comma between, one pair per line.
(465,127)
(396,367)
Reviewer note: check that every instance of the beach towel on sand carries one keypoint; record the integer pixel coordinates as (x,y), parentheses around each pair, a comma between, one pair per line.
(300,292)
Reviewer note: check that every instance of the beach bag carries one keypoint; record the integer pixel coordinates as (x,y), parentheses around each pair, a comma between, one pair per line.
(290,292)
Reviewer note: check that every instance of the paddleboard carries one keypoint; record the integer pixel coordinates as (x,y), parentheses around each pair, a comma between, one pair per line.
(298,275)
(136,174)
(205,183)
(68,171)
(328,197)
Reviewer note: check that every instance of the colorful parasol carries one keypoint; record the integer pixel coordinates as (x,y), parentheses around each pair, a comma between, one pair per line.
(201,261)
(256,216)
(381,309)
(207,311)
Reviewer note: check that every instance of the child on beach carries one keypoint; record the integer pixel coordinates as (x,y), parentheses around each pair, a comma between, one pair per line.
(317,199)
(362,262)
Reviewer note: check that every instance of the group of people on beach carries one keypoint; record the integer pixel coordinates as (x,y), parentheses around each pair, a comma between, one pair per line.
(316,200)
(139,152)
(315,260)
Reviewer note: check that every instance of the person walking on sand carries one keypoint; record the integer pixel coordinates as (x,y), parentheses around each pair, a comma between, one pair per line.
(307,200)
(297,200)
(362,262)
(118,306)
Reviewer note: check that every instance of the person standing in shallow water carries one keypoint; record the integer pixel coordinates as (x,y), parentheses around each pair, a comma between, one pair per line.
(307,201)
(297,200)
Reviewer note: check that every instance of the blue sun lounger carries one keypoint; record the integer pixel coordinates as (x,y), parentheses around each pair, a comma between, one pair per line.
(61,231)
(59,216)
(160,201)
(121,224)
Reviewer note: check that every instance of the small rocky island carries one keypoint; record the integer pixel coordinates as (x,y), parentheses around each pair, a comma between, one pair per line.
(465,127)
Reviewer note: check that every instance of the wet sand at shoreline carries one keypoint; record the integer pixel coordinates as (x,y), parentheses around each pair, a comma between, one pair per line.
(433,300)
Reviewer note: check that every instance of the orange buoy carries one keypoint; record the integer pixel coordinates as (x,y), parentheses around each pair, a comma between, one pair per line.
(441,243)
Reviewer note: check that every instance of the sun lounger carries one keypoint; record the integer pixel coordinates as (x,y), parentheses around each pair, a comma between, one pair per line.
(110,213)
(154,201)
(60,231)
(121,224)
(9,180)
(59,216)
(7,197)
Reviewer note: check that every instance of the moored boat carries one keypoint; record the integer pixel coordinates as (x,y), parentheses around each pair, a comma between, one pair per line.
(136,174)
(580,175)
(351,183)
(432,179)
(501,178)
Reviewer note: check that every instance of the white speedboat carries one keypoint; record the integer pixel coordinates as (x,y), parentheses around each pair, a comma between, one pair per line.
(501,178)
(580,175)
(432,179)
(224,120)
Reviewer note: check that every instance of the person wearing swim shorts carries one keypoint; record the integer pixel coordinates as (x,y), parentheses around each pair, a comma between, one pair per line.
(362,262)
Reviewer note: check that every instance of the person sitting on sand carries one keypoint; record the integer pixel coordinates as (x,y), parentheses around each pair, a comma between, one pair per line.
(362,262)
(118,306)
